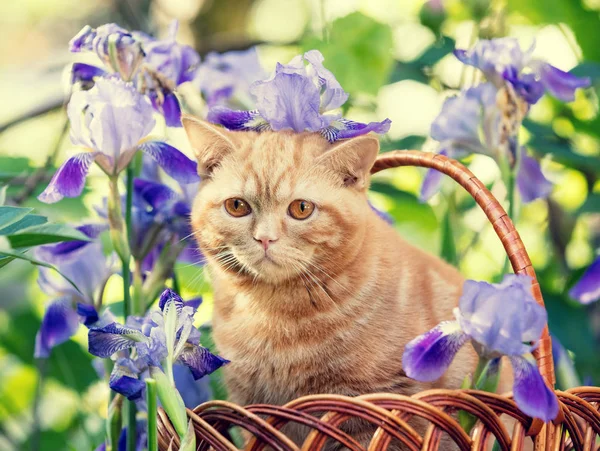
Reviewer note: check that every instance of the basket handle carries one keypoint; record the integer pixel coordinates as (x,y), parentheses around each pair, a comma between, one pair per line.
(502,224)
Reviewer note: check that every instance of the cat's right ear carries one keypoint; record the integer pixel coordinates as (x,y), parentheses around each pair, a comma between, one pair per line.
(209,142)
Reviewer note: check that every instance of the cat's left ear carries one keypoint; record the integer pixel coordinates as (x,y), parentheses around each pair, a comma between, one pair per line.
(209,142)
(352,160)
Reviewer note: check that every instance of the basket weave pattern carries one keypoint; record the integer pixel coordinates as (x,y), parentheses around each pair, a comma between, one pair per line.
(576,427)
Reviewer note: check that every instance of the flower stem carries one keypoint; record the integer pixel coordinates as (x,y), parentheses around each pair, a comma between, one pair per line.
(175,280)
(128,300)
(131,426)
(128,202)
(152,413)
(118,233)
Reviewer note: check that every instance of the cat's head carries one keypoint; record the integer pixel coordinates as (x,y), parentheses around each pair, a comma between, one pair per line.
(273,206)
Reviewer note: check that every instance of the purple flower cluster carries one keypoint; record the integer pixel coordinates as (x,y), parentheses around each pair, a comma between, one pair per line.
(155,66)
(160,339)
(486,118)
(160,217)
(502,61)
(500,319)
(300,96)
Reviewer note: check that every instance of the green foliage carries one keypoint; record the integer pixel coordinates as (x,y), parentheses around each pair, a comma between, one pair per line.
(21,230)
(571,12)
(418,69)
(357,52)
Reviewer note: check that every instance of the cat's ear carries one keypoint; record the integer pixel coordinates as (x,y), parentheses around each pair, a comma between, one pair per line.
(209,142)
(352,160)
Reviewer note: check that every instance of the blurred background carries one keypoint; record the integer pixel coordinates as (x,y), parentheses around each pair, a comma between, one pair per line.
(395,59)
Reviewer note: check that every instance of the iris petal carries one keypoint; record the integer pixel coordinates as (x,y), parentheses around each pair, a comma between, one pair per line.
(92,231)
(587,290)
(114,337)
(237,119)
(171,110)
(503,318)
(382,214)
(333,95)
(170,296)
(289,101)
(154,194)
(88,313)
(561,85)
(530,179)
(531,393)
(345,129)
(428,356)
(124,380)
(194,392)
(69,180)
(85,73)
(200,360)
(173,162)
(60,323)
(431,182)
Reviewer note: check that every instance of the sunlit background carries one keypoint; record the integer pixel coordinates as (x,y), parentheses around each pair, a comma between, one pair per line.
(404,72)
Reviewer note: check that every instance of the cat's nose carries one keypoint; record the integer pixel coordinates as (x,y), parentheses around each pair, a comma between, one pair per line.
(265,241)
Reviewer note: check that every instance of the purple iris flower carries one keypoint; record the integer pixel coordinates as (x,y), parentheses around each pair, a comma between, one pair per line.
(116,47)
(86,266)
(587,289)
(300,96)
(111,121)
(176,62)
(226,77)
(500,319)
(161,339)
(156,66)
(471,123)
(502,60)
(167,65)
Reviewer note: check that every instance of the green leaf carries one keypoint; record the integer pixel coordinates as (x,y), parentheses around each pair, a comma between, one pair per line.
(544,141)
(27,221)
(417,70)
(587,69)
(571,12)
(571,324)
(45,234)
(10,215)
(591,204)
(411,142)
(448,248)
(358,52)
(415,220)
(189,441)
(22,256)
(171,400)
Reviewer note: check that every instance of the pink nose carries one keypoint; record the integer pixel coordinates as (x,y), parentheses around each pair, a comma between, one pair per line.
(266,242)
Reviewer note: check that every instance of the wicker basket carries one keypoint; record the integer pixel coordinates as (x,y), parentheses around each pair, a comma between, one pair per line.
(576,427)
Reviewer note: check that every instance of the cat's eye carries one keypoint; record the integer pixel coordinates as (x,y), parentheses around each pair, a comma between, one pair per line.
(237,207)
(301,209)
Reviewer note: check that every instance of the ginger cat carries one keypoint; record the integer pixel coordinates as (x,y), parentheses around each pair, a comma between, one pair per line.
(313,292)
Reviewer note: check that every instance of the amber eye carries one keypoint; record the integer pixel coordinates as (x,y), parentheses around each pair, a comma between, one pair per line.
(237,207)
(301,209)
